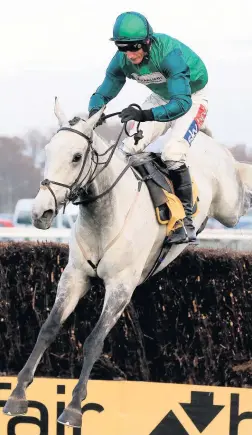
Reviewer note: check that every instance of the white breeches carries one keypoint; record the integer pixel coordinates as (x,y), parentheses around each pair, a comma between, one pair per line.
(171,139)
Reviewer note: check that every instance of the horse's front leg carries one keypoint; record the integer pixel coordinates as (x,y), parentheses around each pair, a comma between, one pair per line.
(73,284)
(117,296)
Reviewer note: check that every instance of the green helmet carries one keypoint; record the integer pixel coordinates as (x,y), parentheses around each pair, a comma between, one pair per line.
(130,27)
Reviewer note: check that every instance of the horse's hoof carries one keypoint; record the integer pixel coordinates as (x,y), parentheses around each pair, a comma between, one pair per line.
(15,406)
(71,417)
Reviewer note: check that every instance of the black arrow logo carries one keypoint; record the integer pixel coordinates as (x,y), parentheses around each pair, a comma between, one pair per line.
(201,410)
(170,425)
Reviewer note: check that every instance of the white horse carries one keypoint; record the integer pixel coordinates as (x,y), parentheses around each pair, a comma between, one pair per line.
(116,237)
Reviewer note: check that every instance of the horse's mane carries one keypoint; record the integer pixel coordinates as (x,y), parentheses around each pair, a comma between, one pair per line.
(75,121)
(118,151)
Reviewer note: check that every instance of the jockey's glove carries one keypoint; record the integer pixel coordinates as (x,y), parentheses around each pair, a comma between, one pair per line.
(102,118)
(133,114)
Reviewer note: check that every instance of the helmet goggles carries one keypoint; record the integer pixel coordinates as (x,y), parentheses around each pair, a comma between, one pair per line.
(129,46)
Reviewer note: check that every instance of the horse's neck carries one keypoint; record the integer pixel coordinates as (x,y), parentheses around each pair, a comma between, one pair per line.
(105,177)
(105,217)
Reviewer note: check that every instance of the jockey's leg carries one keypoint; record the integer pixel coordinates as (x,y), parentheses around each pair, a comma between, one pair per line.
(183,189)
(174,154)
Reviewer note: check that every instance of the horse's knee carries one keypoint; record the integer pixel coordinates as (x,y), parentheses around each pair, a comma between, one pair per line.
(93,345)
(52,325)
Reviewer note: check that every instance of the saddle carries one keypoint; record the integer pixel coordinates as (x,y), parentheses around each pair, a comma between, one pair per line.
(150,168)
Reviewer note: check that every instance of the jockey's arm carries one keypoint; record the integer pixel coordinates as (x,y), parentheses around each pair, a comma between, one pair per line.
(177,71)
(110,87)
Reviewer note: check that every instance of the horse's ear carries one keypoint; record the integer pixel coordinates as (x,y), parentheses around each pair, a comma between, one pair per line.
(92,121)
(59,113)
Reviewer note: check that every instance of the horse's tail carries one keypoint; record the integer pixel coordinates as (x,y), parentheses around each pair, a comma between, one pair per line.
(206,130)
(245,172)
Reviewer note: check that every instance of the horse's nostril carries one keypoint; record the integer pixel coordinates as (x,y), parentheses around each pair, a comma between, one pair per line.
(47,214)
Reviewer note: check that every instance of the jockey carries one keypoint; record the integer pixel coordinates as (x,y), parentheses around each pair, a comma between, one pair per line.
(177,78)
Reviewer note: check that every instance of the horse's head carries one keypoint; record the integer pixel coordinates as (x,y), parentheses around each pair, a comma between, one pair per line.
(67,166)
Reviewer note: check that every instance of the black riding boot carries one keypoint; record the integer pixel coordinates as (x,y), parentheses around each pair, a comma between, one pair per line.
(183,189)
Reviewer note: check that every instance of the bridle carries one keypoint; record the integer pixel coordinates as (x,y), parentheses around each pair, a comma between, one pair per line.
(76,189)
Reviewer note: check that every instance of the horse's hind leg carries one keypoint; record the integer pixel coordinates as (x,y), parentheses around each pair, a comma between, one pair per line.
(72,285)
(229,201)
(118,295)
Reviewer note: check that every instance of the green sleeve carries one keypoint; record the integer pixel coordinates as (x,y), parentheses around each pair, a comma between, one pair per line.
(177,72)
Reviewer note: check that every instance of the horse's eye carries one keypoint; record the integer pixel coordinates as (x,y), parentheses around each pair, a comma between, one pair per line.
(77,157)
